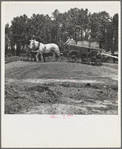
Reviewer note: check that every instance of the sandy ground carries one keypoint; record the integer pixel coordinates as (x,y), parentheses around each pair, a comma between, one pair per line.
(60,88)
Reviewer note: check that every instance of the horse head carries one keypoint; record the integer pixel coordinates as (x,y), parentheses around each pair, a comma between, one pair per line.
(32,44)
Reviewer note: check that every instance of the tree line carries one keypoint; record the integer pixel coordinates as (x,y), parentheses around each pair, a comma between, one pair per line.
(78,23)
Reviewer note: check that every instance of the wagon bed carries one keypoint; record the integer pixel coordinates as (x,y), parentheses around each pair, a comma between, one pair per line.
(85,54)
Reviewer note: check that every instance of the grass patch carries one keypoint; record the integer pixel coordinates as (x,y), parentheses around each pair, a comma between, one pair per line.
(9,59)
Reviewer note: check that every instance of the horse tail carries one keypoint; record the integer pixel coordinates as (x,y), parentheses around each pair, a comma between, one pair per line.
(57,51)
(57,54)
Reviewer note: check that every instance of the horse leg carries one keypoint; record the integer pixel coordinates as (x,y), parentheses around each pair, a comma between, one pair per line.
(44,57)
(57,53)
(58,56)
(37,56)
(42,60)
(31,56)
(54,56)
(34,56)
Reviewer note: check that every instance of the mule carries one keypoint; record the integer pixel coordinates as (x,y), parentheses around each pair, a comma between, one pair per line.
(42,49)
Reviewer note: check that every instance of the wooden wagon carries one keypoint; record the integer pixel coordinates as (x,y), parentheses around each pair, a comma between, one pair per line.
(83,53)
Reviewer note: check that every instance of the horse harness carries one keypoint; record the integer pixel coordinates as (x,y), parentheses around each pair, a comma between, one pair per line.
(36,48)
(44,47)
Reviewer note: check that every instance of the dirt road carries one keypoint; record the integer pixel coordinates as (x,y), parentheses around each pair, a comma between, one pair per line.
(60,88)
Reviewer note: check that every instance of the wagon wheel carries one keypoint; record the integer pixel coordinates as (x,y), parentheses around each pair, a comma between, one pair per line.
(89,60)
(92,57)
(84,57)
(95,58)
(98,59)
(73,56)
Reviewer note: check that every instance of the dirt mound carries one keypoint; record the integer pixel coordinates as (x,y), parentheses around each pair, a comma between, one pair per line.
(18,99)
(64,98)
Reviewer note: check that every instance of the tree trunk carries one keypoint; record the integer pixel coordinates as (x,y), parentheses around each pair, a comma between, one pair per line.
(81,36)
(75,36)
(18,50)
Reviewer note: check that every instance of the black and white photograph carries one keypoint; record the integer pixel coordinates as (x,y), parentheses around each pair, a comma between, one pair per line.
(61,59)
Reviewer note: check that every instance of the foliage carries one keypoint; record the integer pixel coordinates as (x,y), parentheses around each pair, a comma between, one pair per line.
(78,23)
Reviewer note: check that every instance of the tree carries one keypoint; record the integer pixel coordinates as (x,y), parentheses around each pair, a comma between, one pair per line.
(83,21)
(100,23)
(78,23)
(7,37)
(115,33)
(19,28)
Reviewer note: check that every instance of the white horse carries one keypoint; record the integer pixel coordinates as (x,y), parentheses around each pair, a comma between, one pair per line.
(41,49)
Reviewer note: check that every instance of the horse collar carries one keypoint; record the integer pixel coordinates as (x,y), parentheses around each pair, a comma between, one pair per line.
(44,47)
(38,44)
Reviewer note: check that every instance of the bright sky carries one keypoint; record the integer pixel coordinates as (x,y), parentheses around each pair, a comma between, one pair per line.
(11,9)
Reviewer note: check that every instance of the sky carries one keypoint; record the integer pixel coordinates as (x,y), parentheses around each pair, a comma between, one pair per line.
(11,9)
